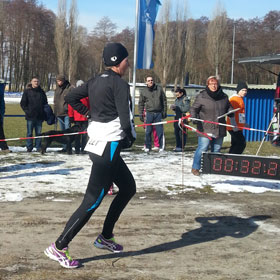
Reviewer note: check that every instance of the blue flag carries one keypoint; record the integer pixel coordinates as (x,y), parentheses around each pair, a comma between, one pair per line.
(147,17)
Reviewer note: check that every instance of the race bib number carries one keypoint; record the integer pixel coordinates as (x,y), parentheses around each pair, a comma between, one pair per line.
(241,118)
(96,147)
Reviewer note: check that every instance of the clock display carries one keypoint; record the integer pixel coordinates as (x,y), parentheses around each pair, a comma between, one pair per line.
(241,165)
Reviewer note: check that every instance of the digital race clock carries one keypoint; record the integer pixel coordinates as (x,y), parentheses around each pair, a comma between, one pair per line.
(241,165)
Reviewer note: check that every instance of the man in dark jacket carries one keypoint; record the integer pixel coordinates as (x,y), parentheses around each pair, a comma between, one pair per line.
(209,105)
(60,106)
(32,103)
(153,100)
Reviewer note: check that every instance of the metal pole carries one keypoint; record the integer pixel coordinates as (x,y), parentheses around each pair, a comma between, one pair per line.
(135,56)
(265,134)
(232,60)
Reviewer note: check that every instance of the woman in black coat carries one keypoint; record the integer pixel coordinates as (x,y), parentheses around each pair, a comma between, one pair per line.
(180,107)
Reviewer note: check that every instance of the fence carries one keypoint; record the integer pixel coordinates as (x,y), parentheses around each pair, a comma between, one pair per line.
(259,112)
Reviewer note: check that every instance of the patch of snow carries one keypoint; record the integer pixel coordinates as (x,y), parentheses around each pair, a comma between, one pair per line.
(25,174)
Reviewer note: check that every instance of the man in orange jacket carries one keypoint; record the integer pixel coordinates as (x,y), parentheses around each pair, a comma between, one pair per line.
(238,141)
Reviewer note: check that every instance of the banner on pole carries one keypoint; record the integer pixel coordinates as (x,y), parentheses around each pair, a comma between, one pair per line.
(147,17)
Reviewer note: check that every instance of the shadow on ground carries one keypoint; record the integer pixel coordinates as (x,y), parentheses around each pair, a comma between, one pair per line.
(212,228)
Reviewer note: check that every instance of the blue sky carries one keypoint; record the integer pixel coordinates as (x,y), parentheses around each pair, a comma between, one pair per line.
(122,12)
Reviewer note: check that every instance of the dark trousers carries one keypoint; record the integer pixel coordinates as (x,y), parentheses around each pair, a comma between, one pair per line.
(37,126)
(153,118)
(81,139)
(179,134)
(238,142)
(106,169)
(3,144)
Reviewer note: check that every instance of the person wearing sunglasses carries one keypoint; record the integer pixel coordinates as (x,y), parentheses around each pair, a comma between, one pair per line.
(153,100)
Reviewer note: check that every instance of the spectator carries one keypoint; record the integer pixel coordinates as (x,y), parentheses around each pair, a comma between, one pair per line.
(153,100)
(180,107)
(32,103)
(3,144)
(209,105)
(60,106)
(238,141)
(82,121)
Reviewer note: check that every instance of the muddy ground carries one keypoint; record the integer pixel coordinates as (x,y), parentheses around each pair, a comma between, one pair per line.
(188,236)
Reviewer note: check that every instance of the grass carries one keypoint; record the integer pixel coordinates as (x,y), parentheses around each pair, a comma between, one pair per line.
(15,127)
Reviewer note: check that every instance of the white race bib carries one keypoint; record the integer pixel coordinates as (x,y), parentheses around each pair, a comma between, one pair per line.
(241,118)
(95,147)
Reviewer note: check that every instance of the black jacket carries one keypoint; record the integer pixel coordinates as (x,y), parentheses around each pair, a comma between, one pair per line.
(109,98)
(32,103)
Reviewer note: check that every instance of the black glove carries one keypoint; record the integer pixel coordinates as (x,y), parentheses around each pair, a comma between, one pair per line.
(71,120)
(141,118)
(164,115)
(128,141)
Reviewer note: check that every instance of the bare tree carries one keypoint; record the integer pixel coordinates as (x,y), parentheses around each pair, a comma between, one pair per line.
(103,32)
(217,41)
(183,49)
(33,41)
(163,44)
(61,38)
(85,62)
(73,41)
(190,51)
(2,39)
(26,42)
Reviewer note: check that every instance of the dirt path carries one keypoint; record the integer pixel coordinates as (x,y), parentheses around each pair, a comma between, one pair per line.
(190,236)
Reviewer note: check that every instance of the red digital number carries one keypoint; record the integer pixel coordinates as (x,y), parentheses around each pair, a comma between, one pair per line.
(272,170)
(217,165)
(228,165)
(256,169)
(244,166)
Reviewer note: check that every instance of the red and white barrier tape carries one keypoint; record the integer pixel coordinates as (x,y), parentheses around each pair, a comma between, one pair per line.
(179,121)
(158,123)
(43,136)
(205,121)
(181,125)
(239,127)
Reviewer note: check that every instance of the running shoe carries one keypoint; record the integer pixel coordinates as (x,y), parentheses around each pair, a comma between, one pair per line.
(195,172)
(62,256)
(109,244)
(177,149)
(110,192)
(113,190)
